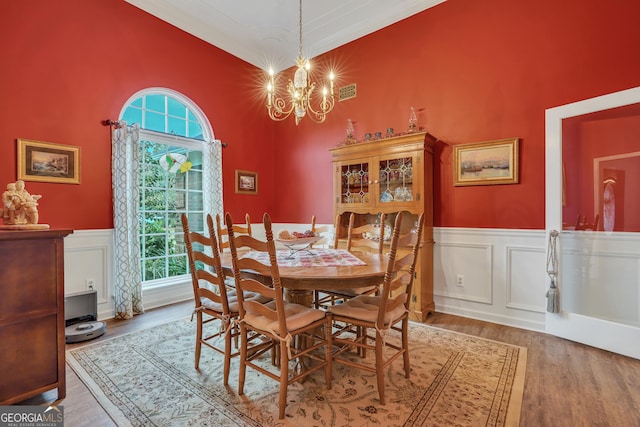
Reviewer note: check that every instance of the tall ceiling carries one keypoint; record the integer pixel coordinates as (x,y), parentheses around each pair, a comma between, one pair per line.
(266,32)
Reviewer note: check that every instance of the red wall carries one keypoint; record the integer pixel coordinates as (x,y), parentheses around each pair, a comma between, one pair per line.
(69,64)
(477,70)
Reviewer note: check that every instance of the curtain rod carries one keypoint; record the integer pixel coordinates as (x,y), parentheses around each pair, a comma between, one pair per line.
(115,123)
(118,124)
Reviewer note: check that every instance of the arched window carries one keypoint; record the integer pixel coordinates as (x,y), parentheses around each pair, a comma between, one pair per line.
(174,139)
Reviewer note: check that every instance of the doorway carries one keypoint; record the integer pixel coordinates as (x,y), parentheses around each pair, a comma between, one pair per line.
(593,201)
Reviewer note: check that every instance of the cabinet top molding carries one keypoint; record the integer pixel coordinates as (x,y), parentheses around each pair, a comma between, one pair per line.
(409,141)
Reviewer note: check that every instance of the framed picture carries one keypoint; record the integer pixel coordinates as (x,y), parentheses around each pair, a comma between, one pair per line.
(486,163)
(246,182)
(48,162)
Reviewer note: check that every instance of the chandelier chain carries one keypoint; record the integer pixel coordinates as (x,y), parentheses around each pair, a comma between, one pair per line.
(300,36)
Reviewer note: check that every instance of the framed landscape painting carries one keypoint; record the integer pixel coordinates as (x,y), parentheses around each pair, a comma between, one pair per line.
(486,163)
(246,182)
(48,162)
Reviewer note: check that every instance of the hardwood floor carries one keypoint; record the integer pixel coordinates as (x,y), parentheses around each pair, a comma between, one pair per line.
(567,384)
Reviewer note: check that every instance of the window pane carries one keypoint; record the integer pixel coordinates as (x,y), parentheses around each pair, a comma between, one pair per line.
(180,201)
(136,103)
(153,150)
(180,181)
(195,131)
(195,180)
(156,103)
(154,245)
(195,157)
(154,199)
(174,222)
(195,201)
(171,200)
(132,115)
(176,108)
(153,177)
(177,126)
(154,222)
(153,269)
(177,266)
(196,223)
(154,121)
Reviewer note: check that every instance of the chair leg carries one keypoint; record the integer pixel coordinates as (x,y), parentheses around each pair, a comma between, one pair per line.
(198,338)
(363,351)
(328,369)
(284,379)
(243,359)
(405,347)
(227,352)
(379,366)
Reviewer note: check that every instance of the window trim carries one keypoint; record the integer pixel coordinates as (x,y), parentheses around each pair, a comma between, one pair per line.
(175,140)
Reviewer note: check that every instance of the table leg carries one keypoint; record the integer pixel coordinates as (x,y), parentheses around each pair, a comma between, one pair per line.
(299,296)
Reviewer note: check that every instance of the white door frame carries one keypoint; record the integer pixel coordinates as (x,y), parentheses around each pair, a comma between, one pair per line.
(612,336)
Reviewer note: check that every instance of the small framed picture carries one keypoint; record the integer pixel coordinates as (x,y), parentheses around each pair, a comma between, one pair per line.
(246,182)
(486,163)
(48,162)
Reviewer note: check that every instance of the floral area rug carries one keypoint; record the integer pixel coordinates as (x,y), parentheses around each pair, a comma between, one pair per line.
(148,378)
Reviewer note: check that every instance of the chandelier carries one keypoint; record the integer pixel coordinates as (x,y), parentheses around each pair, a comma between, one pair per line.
(299,93)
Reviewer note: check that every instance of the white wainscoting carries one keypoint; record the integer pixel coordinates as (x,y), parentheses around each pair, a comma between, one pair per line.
(503,275)
(88,255)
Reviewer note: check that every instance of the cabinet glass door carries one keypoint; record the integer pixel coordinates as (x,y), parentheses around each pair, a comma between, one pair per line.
(396,180)
(354,186)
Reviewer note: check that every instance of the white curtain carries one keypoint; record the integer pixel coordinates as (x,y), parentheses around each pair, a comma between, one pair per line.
(125,171)
(212,178)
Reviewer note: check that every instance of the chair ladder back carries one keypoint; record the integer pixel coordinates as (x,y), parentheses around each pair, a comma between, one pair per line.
(356,238)
(325,229)
(239,229)
(400,269)
(389,274)
(205,267)
(271,270)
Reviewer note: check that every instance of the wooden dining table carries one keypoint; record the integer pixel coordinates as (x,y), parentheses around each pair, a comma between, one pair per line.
(299,282)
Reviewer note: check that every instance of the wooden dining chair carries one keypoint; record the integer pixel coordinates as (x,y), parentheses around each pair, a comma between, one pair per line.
(215,302)
(381,314)
(328,232)
(368,238)
(281,323)
(223,238)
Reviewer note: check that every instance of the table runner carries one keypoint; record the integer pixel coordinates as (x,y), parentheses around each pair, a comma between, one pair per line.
(309,258)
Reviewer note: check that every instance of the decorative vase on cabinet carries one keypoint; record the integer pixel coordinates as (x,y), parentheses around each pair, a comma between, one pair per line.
(390,175)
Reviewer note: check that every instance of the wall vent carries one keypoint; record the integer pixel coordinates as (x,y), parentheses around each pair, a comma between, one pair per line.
(347,92)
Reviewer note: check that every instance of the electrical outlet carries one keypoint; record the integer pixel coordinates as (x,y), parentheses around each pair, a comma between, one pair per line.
(91,284)
(460,280)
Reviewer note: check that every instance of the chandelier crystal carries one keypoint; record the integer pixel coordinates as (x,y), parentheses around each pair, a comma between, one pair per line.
(299,93)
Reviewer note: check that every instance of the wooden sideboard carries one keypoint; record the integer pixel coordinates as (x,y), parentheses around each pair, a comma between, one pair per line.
(390,175)
(32,313)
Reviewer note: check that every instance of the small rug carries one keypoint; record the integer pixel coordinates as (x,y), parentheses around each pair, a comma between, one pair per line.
(148,378)
(309,258)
